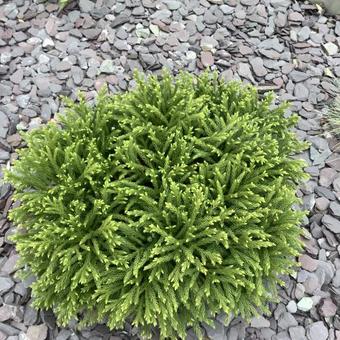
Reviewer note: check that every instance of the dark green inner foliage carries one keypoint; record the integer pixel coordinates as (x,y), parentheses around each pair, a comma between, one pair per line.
(163,205)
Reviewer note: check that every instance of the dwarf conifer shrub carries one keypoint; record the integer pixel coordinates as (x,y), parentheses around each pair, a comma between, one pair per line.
(163,205)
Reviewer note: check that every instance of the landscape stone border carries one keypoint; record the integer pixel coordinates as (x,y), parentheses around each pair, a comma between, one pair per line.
(279,45)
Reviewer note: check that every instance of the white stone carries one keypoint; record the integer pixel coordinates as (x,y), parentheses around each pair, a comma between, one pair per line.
(331,48)
(34,41)
(154,29)
(43,59)
(142,32)
(5,57)
(107,67)
(305,304)
(292,307)
(208,43)
(191,55)
(227,9)
(48,43)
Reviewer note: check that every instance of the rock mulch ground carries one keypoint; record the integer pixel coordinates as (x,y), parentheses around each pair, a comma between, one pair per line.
(276,44)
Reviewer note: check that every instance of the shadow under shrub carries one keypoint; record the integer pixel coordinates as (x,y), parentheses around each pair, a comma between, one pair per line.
(163,205)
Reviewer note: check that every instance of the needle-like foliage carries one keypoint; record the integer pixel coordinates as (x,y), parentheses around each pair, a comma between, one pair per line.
(163,205)
(333,114)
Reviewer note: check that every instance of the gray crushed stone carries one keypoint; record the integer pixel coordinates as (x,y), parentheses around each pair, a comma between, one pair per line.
(281,45)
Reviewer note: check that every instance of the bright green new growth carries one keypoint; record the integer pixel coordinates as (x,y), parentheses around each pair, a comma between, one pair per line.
(63,3)
(163,205)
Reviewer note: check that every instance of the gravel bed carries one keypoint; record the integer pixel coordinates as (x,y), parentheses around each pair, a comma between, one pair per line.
(281,45)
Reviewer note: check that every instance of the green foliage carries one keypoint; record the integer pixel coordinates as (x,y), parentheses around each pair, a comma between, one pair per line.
(163,205)
(63,3)
(333,114)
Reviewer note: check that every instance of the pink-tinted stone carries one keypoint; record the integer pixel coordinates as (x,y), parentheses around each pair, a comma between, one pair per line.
(337,335)
(308,263)
(327,176)
(37,332)
(321,203)
(295,16)
(327,308)
(51,26)
(207,59)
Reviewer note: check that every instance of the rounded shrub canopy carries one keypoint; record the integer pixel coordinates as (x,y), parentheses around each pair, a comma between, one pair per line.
(163,205)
